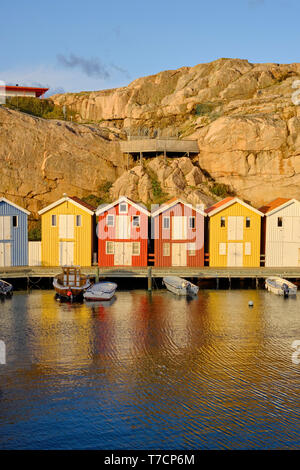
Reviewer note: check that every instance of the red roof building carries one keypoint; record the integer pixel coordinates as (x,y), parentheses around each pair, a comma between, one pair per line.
(122,233)
(178,234)
(31,92)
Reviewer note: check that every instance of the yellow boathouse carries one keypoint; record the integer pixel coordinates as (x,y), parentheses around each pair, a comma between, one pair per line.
(67,233)
(234,234)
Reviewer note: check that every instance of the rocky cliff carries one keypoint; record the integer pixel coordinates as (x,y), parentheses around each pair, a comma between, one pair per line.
(241,114)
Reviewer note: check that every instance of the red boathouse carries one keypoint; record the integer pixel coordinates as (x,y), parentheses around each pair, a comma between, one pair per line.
(178,232)
(122,232)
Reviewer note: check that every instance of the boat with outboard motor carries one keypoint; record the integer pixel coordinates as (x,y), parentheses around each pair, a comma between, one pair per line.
(6,289)
(180,286)
(280,286)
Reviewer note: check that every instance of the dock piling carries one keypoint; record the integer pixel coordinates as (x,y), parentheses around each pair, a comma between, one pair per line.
(149,279)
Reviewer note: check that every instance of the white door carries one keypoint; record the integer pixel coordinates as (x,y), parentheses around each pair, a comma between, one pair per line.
(66,226)
(179,225)
(235,227)
(5,254)
(123,227)
(235,254)
(66,253)
(179,254)
(5,224)
(123,254)
(127,260)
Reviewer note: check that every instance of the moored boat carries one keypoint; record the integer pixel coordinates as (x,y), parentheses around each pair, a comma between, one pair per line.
(180,286)
(104,290)
(70,284)
(6,288)
(280,286)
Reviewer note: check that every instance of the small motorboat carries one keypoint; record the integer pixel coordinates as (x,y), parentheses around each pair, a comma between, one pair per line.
(280,286)
(104,290)
(70,284)
(6,288)
(180,286)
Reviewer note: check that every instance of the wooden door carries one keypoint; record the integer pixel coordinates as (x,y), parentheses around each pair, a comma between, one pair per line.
(127,254)
(179,226)
(66,253)
(179,254)
(118,256)
(5,254)
(235,228)
(122,227)
(235,254)
(66,226)
(5,227)
(123,254)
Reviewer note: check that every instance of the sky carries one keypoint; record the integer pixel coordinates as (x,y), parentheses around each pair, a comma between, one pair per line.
(72,46)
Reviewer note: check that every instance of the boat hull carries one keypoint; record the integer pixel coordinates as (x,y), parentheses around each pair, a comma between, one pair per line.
(70,285)
(101,291)
(6,289)
(280,286)
(180,286)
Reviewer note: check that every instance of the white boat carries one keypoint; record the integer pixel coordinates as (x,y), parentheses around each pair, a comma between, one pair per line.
(180,286)
(6,288)
(280,286)
(104,290)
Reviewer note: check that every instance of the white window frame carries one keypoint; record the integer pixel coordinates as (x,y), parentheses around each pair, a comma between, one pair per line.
(113,220)
(123,204)
(139,221)
(167,217)
(113,247)
(192,217)
(53,224)
(138,244)
(78,218)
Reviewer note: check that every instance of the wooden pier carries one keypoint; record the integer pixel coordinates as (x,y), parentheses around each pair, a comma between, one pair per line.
(153,272)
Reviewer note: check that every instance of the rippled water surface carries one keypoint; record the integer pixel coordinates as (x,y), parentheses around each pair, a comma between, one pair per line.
(150,372)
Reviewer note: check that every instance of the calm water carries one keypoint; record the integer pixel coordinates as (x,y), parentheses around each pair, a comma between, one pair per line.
(150,372)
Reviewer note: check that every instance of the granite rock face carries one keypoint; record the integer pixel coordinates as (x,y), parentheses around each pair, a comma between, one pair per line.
(244,116)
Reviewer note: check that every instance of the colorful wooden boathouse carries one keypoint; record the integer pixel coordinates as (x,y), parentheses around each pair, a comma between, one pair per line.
(67,232)
(122,232)
(281,232)
(234,233)
(13,234)
(178,234)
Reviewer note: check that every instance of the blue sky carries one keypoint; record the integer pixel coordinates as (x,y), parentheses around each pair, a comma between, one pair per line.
(92,45)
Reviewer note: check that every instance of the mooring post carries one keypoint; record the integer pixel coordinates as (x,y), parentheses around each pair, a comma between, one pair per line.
(217,282)
(149,279)
(256,283)
(97,274)
(229,282)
